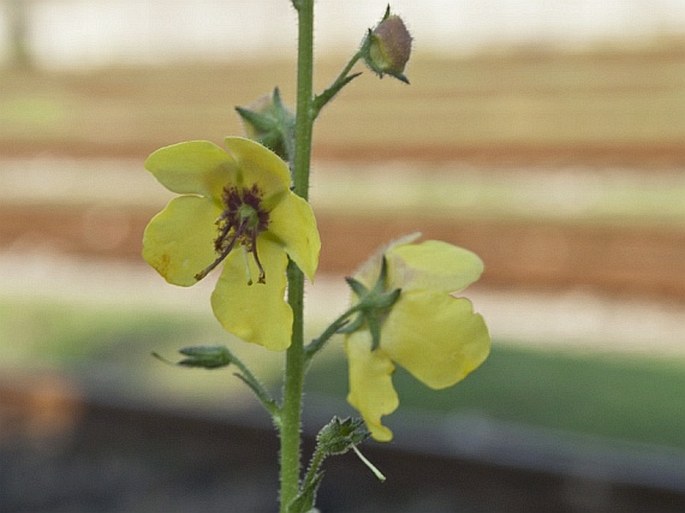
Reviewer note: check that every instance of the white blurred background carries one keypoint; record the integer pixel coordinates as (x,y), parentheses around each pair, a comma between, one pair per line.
(97,32)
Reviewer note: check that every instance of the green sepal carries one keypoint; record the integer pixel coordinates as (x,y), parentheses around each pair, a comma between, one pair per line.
(383,276)
(357,287)
(262,122)
(206,357)
(340,435)
(373,305)
(385,300)
(271,124)
(375,329)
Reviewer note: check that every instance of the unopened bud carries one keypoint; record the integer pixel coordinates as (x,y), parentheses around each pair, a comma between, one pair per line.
(387,47)
(270,123)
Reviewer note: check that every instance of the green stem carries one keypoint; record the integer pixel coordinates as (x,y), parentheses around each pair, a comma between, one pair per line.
(317,460)
(304,119)
(291,409)
(318,343)
(341,81)
(246,376)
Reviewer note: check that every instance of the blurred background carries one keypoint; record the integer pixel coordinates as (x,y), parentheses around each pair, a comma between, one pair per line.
(548,137)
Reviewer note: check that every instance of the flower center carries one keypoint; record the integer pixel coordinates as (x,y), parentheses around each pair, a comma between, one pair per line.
(242,220)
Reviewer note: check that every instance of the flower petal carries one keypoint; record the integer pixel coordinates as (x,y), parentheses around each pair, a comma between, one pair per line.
(434,265)
(293,224)
(255,313)
(370,270)
(193,167)
(259,165)
(436,337)
(179,241)
(371,389)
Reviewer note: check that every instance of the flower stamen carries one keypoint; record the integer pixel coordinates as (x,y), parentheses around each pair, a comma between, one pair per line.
(262,273)
(223,252)
(241,222)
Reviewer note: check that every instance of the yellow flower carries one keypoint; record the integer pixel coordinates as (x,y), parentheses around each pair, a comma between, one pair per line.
(234,207)
(432,334)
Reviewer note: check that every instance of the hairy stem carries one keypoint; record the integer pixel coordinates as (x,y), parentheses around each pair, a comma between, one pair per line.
(291,409)
(341,81)
(318,343)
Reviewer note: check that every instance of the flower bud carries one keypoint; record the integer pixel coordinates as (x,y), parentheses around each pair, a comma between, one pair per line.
(387,48)
(339,435)
(208,357)
(270,123)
